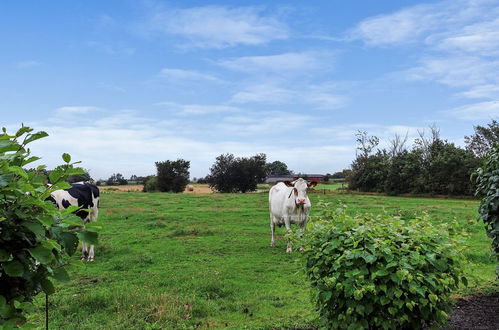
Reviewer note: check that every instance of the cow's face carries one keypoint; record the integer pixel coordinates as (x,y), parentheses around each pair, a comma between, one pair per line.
(300,188)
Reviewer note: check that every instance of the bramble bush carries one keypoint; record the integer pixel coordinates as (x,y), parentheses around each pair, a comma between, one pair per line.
(35,237)
(380,271)
(488,189)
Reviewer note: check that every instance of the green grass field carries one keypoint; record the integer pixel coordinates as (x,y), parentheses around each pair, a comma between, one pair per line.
(186,261)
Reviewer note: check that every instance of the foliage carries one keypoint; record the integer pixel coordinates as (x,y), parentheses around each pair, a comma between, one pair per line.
(151,184)
(369,172)
(35,237)
(432,166)
(230,174)
(484,139)
(117,179)
(380,271)
(85,176)
(277,168)
(173,176)
(488,189)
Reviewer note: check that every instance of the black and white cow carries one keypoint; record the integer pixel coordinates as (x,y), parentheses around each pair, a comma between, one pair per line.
(86,196)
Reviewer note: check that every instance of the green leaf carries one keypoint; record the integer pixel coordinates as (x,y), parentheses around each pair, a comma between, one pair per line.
(23,130)
(8,145)
(18,171)
(88,236)
(36,136)
(61,274)
(70,242)
(30,160)
(55,175)
(42,254)
(47,286)
(35,227)
(13,268)
(4,255)
(66,157)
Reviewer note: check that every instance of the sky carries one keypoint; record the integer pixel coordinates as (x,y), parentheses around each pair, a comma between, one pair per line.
(122,84)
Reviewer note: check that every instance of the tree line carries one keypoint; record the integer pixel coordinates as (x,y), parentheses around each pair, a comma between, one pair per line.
(431,166)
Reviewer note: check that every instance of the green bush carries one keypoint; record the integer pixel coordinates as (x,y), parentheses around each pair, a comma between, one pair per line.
(35,237)
(488,189)
(151,184)
(380,271)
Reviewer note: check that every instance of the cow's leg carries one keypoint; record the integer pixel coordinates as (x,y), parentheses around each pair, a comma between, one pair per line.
(84,251)
(91,253)
(272,230)
(287,223)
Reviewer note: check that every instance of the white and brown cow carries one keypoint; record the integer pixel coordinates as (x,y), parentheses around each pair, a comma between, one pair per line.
(86,196)
(289,204)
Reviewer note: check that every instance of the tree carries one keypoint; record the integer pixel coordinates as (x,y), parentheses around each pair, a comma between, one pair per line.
(79,177)
(277,168)
(230,174)
(116,180)
(35,237)
(488,181)
(172,176)
(484,138)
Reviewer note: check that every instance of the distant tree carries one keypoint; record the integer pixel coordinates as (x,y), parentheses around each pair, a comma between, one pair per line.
(79,177)
(277,168)
(133,177)
(172,176)
(202,180)
(150,184)
(230,174)
(116,179)
(484,138)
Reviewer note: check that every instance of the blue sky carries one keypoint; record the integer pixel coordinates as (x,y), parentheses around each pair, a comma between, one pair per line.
(122,84)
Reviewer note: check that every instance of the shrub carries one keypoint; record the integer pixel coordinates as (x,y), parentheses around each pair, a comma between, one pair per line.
(151,184)
(35,237)
(488,183)
(173,176)
(231,175)
(380,271)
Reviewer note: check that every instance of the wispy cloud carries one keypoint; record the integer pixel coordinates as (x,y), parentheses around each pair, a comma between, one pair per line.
(478,111)
(286,63)
(218,26)
(179,74)
(73,110)
(321,96)
(458,46)
(402,27)
(28,64)
(111,49)
(198,109)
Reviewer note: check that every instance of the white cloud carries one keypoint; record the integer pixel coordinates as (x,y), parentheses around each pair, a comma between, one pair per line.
(322,96)
(28,64)
(477,111)
(111,49)
(179,74)
(404,26)
(198,109)
(219,27)
(285,63)
(482,91)
(72,110)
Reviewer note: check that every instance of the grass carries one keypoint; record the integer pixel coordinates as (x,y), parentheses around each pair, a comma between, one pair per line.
(182,261)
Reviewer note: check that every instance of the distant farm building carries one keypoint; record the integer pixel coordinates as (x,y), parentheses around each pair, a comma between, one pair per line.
(280,178)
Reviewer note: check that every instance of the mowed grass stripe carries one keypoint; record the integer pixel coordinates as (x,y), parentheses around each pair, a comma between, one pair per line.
(186,260)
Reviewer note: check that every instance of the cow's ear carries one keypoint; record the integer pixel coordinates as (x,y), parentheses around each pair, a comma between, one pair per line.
(312,184)
(288,183)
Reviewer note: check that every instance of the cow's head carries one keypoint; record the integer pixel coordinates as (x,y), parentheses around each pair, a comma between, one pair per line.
(300,188)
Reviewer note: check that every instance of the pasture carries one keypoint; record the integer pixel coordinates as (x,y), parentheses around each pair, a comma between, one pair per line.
(204,260)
